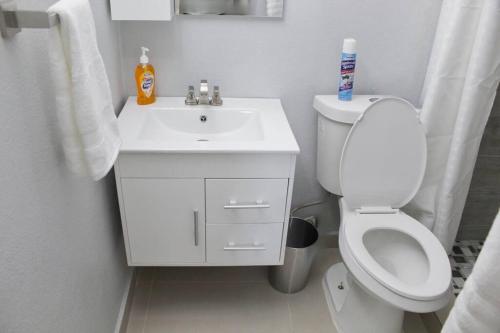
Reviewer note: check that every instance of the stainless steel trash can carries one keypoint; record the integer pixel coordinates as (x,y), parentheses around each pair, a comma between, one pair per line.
(301,247)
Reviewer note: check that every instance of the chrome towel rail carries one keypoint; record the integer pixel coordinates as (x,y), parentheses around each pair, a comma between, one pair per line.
(12,20)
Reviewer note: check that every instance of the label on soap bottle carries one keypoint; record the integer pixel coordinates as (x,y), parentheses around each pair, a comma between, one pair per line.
(147,83)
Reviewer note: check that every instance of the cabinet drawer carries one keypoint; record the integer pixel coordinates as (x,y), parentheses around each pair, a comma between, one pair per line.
(246,200)
(244,244)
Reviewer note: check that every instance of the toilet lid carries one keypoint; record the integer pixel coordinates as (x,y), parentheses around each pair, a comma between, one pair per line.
(384,157)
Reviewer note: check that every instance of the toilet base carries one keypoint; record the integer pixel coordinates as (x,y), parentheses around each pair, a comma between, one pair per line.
(353,309)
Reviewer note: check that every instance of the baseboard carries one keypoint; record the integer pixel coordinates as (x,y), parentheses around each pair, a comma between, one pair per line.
(126,305)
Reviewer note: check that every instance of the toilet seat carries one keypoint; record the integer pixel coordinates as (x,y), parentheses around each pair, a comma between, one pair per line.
(437,280)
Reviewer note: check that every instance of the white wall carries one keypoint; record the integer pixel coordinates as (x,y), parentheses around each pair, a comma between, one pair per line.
(293,59)
(62,264)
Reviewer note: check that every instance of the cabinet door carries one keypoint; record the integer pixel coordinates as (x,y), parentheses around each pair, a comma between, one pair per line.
(165,220)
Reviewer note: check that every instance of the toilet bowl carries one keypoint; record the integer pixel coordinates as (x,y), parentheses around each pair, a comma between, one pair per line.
(391,262)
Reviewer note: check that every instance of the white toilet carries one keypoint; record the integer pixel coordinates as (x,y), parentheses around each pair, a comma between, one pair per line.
(372,152)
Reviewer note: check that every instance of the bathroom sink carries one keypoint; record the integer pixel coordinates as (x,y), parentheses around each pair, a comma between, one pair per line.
(240,125)
(201,124)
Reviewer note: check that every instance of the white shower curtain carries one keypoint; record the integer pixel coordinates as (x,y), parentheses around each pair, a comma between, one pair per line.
(458,93)
(477,307)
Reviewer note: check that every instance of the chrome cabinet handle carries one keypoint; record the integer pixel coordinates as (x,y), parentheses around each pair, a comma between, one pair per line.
(196,214)
(242,248)
(258,204)
(233,247)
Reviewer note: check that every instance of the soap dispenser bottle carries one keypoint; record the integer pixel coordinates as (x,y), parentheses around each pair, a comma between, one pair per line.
(145,79)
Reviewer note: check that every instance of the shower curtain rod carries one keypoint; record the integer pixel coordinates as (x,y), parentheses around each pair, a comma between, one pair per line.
(13,20)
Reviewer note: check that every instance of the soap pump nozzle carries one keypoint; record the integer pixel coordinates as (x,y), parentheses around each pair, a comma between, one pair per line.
(144,58)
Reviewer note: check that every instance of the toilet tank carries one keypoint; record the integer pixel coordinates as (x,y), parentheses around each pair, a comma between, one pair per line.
(335,119)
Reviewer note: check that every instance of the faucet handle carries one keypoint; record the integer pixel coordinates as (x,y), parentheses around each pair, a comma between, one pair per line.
(191,98)
(203,99)
(204,87)
(216,98)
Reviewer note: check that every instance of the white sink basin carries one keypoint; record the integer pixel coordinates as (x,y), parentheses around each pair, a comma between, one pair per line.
(240,125)
(163,124)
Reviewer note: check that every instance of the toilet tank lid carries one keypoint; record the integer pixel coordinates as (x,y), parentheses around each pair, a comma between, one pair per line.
(345,112)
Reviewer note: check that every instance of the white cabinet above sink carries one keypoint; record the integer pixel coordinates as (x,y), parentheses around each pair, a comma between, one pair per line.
(205,185)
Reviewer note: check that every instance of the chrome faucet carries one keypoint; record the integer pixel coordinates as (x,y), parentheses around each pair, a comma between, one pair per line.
(204,99)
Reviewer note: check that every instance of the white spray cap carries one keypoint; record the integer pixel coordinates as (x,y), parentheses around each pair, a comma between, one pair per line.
(349,46)
(144,58)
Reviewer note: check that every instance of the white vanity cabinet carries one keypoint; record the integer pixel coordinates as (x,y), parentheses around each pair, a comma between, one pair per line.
(205,185)
(204,209)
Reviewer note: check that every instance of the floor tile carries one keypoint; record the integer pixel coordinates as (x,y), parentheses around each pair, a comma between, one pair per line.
(309,311)
(324,260)
(145,275)
(462,260)
(179,326)
(233,299)
(413,323)
(217,307)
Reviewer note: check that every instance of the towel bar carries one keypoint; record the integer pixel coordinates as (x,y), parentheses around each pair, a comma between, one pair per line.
(13,20)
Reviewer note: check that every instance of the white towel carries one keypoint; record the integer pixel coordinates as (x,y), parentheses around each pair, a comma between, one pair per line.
(86,117)
(477,308)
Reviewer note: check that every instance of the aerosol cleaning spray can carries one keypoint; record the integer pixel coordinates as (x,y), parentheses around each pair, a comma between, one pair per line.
(347,66)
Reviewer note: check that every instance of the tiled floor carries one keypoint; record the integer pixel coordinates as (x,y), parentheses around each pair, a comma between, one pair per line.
(462,260)
(185,300)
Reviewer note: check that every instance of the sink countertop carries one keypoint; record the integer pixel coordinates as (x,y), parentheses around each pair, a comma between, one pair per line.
(261,127)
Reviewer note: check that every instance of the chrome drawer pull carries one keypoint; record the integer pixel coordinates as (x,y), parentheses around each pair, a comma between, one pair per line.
(258,204)
(233,247)
(196,227)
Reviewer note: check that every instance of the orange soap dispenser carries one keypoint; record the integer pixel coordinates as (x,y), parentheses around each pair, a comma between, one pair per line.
(145,79)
